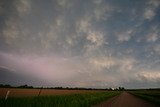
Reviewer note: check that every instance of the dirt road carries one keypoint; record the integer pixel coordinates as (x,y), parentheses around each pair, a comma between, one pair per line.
(125,100)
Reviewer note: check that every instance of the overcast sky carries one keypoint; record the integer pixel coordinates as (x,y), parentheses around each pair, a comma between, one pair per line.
(82,43)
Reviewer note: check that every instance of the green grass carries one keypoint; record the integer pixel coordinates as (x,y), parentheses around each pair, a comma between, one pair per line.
(74,100)
(149,95)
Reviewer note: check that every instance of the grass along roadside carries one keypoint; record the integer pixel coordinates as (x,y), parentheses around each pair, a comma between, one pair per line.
(152,96)
(74,100)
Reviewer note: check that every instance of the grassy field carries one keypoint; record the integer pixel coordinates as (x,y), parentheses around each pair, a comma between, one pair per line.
(150,95)
(73,100)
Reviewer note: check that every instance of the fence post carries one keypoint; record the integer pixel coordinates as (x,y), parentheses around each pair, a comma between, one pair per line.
(40,91)
(7,95)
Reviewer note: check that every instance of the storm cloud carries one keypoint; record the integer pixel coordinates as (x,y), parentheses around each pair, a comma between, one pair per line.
(82,43)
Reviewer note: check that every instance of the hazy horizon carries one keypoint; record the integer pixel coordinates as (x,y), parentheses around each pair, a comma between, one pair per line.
(81,43)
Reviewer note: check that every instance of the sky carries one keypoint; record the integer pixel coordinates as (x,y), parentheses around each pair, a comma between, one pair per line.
(82,43)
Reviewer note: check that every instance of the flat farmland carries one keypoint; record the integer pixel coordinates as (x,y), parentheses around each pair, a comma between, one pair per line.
(149,95)
(54,97)
(78,98)
(16,92)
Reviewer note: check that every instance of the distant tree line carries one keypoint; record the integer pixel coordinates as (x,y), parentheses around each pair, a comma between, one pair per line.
(5,86)
(25,86)
(59,88)
(9,86)
(155,89)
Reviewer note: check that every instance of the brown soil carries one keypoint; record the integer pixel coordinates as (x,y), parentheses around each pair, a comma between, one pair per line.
(14,92)
(125,100)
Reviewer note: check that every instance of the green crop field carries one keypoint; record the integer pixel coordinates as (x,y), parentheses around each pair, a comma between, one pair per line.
(74,100)
(150,95)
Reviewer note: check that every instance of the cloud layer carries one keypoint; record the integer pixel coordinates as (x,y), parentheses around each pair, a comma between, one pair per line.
(93,43)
